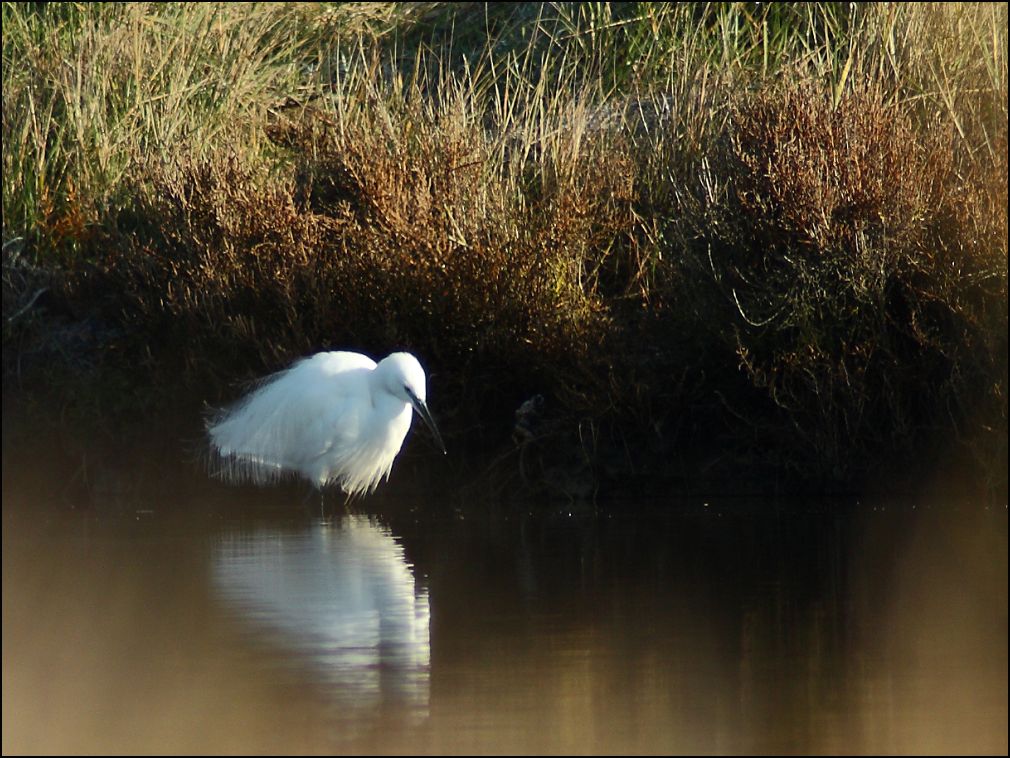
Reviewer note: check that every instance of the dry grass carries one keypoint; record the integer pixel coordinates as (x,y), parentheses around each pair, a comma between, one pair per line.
(411,228)
(856,272)
(780,232)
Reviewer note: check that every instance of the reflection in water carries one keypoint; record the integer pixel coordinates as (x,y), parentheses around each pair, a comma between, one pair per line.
(340,600)
(174,624)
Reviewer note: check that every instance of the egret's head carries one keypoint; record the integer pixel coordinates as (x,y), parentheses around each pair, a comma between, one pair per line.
(404,378)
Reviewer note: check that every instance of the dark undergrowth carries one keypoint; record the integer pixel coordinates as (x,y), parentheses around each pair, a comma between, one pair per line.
(727,274)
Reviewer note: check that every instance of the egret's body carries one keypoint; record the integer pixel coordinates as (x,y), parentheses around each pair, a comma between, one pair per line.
(333,418)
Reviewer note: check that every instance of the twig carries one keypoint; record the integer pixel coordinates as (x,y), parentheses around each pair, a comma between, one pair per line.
(29,304)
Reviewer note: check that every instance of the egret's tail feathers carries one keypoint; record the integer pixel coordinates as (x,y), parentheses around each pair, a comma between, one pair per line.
(244,439)
(238,469)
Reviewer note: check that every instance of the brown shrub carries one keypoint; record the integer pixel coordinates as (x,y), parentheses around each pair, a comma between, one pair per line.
(858,271)
(409,234)
(828,284)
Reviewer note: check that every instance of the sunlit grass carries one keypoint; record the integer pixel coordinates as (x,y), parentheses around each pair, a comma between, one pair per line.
(790,217)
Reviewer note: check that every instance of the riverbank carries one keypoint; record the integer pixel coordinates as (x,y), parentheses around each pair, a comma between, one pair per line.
(711,241)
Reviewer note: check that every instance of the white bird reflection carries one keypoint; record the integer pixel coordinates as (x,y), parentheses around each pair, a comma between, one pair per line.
(341,600)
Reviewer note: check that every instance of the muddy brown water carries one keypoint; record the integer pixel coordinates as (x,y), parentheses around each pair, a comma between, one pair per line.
(183,616)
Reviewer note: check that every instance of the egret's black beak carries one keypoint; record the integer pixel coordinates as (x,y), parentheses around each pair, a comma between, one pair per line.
(422,411)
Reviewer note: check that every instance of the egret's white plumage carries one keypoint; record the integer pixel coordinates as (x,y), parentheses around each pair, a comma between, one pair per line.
(335,417)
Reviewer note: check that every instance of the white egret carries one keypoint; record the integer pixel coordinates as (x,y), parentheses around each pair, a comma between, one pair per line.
(335,417)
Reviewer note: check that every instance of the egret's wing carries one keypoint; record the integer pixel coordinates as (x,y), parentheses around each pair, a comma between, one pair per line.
(330,401)
(294,417)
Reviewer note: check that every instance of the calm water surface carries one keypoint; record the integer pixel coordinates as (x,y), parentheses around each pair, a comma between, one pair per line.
(178,615)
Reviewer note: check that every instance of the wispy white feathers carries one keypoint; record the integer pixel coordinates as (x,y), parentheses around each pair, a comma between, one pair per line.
(334,418)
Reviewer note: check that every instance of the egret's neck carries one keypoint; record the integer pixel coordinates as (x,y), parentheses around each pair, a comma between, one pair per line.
(383,398)
(391,418)
(378,386)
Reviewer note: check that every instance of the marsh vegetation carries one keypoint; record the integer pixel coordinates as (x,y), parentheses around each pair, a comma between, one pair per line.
(767,238)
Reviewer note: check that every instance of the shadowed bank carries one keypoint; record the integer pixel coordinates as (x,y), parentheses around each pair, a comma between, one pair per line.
(759,243)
